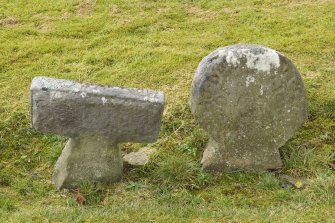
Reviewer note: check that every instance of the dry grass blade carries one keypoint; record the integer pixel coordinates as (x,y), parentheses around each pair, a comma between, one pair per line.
(80,199)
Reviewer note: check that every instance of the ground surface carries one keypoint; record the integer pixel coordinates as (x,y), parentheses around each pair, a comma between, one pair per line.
(158,45)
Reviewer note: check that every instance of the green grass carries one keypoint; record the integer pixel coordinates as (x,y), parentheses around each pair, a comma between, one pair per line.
(158,45)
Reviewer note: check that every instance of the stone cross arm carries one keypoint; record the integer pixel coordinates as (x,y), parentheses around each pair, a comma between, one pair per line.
(70,109)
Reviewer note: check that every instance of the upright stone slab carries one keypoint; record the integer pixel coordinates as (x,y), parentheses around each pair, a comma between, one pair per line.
(250,99)
(95,118)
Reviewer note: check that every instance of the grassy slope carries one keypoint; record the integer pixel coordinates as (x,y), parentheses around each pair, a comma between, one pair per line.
(158,46)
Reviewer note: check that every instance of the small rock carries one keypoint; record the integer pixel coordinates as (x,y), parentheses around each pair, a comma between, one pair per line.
(139,158)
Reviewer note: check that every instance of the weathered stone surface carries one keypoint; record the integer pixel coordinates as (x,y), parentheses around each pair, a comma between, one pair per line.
(250,99)
(139,158)
(69,108)
(88,159)
(96,118)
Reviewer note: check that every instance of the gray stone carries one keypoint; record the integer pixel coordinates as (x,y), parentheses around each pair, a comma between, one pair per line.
(95,118)
(139,158)
(250,100)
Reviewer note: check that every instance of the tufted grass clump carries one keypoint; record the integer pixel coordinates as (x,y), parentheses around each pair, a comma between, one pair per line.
(6,203)
(94,193)
(268,181)
(323,188)
(5,179)
(179,171)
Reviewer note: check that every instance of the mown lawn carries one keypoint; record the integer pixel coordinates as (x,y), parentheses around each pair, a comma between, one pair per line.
(158,45)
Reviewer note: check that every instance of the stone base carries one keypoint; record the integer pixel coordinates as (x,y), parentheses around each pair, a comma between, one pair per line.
(88,159)
(218,158)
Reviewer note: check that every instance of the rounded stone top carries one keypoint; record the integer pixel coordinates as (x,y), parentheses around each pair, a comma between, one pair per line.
(248,96)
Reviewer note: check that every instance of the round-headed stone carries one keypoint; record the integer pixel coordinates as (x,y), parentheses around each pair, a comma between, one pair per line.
(250,99)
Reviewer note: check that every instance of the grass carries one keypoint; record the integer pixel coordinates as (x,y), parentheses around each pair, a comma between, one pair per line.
(158,45)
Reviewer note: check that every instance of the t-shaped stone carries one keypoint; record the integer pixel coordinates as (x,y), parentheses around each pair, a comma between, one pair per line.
(95,118)
(250,99)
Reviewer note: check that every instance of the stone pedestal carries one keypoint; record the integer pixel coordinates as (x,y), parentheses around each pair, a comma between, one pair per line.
(88,159)
(220,157)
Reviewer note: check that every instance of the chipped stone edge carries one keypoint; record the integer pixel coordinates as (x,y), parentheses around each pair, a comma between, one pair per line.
(47,83)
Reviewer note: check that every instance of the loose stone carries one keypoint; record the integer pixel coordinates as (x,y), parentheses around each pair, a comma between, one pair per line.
(139,158)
